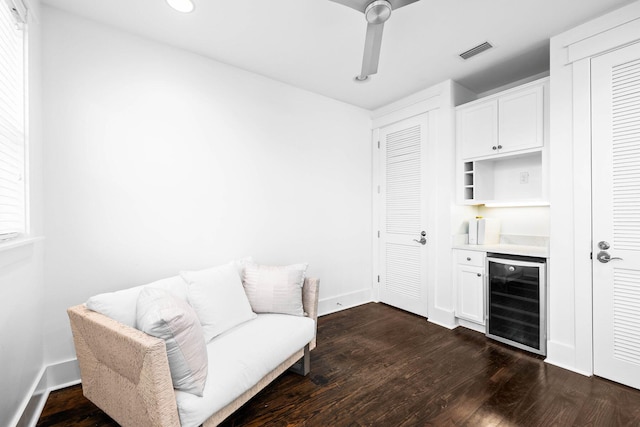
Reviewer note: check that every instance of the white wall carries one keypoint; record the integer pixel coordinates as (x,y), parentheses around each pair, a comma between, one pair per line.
(21,268)
(520,221)
(159,160)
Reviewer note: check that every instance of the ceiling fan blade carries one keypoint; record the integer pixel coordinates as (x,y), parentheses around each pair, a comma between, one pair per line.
(359,5)
(372,46)
(396,4)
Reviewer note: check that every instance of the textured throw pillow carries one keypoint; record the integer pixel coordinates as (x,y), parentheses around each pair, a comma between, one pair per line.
(272,289)
(241,263)
(121,305)
(162,315)
(217,296)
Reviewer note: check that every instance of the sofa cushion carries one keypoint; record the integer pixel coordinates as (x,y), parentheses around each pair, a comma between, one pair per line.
(240,358)
(274,289)
(121,305)
(217,296)
(162,315)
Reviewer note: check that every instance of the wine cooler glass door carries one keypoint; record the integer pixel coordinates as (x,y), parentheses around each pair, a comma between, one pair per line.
(516,311)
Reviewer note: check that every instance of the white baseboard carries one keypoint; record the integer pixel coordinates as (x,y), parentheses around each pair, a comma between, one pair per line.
(567,367)
(63,374)
(473,326)
(51,378)
(33,402)
(343,302)
(563,356)
(444,318)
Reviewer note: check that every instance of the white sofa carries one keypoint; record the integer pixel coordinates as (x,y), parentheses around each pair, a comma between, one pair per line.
(126,372)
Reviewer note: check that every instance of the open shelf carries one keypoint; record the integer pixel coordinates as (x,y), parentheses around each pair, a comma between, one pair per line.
(511,179)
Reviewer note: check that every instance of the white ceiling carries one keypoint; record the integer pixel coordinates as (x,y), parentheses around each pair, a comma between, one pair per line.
(317,45)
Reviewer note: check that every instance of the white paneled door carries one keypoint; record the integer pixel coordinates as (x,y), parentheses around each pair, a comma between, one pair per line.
(404,232)
(616,214)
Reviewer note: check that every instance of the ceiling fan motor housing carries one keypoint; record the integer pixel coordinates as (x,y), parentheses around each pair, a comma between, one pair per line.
(378,12)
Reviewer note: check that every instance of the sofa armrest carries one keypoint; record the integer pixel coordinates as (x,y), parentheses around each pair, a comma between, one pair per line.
(125,372)
(310,293)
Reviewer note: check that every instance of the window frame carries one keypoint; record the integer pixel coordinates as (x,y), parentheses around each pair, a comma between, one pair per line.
(14,212)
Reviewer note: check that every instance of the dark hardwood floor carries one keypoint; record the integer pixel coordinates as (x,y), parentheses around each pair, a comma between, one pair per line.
(378,366)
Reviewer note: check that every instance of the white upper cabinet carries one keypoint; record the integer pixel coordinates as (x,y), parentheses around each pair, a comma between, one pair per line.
(521,120)
(477,129)
(502,149)
(504,123)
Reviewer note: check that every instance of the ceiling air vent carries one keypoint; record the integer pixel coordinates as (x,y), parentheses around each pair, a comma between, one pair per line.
(476,50)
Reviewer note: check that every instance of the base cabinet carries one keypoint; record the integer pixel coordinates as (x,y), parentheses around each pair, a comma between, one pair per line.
(470,285)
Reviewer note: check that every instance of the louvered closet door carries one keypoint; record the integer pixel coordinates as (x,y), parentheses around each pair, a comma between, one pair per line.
(616,214)
(403,260)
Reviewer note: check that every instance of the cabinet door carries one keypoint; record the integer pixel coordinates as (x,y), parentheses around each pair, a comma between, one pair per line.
(470,301)
(477,129)
(520,120)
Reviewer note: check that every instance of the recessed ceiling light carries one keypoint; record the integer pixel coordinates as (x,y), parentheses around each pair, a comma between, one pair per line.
(184,6)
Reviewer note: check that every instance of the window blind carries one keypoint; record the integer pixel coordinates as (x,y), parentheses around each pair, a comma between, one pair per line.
(12,119)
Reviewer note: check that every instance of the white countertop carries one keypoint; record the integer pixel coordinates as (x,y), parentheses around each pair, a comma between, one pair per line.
(535,246)
(504,248)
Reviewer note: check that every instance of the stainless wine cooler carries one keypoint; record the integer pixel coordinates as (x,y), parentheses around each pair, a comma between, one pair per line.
(516,303)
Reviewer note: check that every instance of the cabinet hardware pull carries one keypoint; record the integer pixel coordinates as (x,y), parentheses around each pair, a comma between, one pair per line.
(499,147)
(468,258)
(494,147)
(479,275)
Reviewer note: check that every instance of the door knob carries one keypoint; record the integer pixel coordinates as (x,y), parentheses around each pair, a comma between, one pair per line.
(604,257)
(423,238)
(604,245)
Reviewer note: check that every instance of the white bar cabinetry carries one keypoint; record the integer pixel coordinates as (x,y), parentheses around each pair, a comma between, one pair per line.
(501,145)
(503,123)
(469,274)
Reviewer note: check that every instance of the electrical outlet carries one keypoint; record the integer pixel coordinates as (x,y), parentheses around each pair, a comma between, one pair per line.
(524,177)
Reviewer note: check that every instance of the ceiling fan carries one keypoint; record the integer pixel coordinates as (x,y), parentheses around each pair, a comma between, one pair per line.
(376,12)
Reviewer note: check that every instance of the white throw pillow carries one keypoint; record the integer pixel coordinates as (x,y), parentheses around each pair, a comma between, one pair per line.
(121,305)
(273,289)
(241,263)
(162,315)
(217,296)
